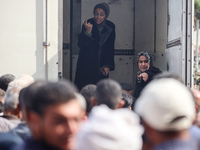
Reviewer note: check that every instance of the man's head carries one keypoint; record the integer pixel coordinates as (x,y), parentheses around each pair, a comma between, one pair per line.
(54,114)
(109,129)
(109,92)
(166,105)
(144,61)
(11,99)
(5,80)
(127,88)
(88,92)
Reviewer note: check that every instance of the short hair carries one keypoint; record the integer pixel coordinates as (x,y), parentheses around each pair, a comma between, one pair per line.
(108,92)
(126,86)
(128,100)
(27,93)
(21,82)
(81,100)
(11,99)
(51,93)
(88,91)
(5,80)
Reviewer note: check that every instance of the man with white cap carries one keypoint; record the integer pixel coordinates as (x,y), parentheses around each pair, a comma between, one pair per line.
(109,129)
(166,107)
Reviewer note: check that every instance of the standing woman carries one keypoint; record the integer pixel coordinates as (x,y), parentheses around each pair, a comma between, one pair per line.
(96,43)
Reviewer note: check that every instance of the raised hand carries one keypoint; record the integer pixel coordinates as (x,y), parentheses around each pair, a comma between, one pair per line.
(144,76)
(88,26)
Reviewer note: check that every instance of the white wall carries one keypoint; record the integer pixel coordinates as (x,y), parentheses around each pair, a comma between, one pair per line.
(22,35)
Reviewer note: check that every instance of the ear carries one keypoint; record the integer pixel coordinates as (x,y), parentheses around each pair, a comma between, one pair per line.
(34,121)
(93,101)
(121,104)
(18,112)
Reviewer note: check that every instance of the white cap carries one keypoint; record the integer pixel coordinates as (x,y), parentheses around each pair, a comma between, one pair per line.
(109,129)
(166,105)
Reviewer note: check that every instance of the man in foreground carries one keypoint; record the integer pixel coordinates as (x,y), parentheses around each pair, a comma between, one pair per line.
(167,109)
(54,117)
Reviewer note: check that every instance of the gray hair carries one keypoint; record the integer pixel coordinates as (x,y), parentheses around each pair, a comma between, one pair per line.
(88,92)
(81,101)
(11,99)
(12,94)
(128,100)
(108,92)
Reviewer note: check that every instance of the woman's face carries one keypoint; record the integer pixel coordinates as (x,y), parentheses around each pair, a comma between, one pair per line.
(143,63)
(99,15)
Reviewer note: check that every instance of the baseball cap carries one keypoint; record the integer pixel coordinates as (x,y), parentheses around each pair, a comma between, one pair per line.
(110,129)
(166,105)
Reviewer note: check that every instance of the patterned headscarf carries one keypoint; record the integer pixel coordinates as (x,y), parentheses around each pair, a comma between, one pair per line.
(147,55)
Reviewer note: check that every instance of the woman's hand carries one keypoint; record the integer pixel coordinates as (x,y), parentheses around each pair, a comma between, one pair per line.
(105,70)
(88,26)
(144,76)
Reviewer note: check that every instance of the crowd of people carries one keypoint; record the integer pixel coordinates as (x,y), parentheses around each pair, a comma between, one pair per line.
(97,112)
(57,116)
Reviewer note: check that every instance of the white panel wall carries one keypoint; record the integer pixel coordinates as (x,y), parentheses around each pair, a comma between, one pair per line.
(22,33)
(175,12)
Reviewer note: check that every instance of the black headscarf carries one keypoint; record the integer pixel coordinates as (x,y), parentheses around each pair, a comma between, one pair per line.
(106,9)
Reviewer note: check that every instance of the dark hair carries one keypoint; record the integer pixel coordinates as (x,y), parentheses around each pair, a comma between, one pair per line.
(5,80)
(126,86)
(88,91)
(51,93)
(128,100)
(108,92)
(28,92)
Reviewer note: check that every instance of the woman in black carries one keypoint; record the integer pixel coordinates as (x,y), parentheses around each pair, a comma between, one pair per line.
(146,73)
(96,42)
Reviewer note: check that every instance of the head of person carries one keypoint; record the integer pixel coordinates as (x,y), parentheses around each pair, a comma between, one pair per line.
(88,92)
(144,61)
(127,88)
(26,94)
(101,12)
(128,100)
(120,129)
(166,107)
(54,114)
(5,80)
(11,99)
(109,92)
